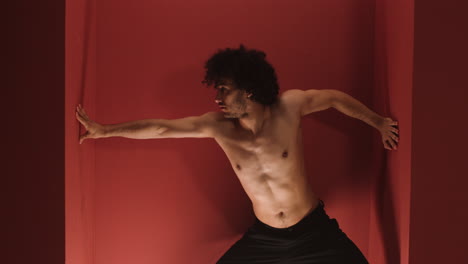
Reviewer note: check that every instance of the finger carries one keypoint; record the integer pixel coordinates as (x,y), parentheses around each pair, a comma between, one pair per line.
(82,116)
(387,145)
(79,117)
(393,129)
(394,137)
(83,113)
(393,144)
(390,144)
(393,134)
(82,121)
(80,109)
(83,137)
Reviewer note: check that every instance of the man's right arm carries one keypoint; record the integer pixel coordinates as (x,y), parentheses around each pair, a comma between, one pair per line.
(192,126)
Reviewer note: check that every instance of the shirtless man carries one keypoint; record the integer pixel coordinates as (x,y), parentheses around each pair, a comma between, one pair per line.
(260,133)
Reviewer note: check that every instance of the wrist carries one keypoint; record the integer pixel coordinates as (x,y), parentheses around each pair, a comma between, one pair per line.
(103,131)
(377,121)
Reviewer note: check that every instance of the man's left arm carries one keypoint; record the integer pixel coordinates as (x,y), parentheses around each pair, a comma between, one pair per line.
(348,105)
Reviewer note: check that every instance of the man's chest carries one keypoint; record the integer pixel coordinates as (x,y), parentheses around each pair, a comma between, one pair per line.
(276,147)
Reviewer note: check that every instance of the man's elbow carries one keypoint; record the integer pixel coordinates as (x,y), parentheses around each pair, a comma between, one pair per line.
(335,97)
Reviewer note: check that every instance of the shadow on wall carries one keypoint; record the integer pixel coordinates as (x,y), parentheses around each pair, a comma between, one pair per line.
(385,208)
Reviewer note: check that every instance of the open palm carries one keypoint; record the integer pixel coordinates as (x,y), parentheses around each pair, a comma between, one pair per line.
(93,129)
(390,133)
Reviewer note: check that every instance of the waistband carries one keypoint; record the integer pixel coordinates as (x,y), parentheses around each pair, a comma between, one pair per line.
(316,216)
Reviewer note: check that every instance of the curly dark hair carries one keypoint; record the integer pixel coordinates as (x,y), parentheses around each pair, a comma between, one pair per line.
(249,71)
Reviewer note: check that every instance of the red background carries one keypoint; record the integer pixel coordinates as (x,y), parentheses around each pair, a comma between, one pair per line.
(119,200)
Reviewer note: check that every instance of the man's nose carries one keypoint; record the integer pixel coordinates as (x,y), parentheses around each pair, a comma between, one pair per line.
(218,99)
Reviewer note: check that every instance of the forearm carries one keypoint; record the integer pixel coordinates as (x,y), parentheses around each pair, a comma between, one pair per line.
(138,129)
(352,107)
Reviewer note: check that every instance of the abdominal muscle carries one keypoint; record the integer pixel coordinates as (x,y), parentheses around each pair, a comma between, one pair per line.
(282,205)
(270,166)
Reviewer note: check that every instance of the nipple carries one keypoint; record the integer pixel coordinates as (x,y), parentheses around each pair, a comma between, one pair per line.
(238,167)
(285,154)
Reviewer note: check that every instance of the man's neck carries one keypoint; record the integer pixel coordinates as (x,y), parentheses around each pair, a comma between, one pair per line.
(255,119)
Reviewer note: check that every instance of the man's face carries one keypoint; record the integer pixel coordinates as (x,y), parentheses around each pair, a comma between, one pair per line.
(233,102)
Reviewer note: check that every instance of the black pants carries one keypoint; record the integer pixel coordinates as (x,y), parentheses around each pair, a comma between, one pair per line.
(314,239)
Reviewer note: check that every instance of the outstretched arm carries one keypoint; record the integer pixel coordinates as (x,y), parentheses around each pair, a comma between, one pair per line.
(192,126)
(313,100)
(352,107)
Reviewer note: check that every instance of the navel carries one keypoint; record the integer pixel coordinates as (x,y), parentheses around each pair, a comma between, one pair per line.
(238,167)
(285,154)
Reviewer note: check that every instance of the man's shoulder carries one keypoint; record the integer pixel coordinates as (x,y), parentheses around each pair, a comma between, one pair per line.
(213,116)
(214,123)
(293,95)
(292,100)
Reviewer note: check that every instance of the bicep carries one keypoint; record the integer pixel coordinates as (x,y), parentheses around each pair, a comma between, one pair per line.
(312,100)
(188,127)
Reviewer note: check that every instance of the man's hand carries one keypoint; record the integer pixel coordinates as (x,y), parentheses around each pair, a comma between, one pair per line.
(390,133)
(94,130)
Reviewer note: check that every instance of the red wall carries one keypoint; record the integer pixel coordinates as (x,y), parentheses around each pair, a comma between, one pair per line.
(157,198)
(439,175)
(145,201)
(391,186)
(80,87)
(405,60)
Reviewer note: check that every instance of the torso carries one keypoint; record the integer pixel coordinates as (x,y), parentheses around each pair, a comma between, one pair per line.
(270,166)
